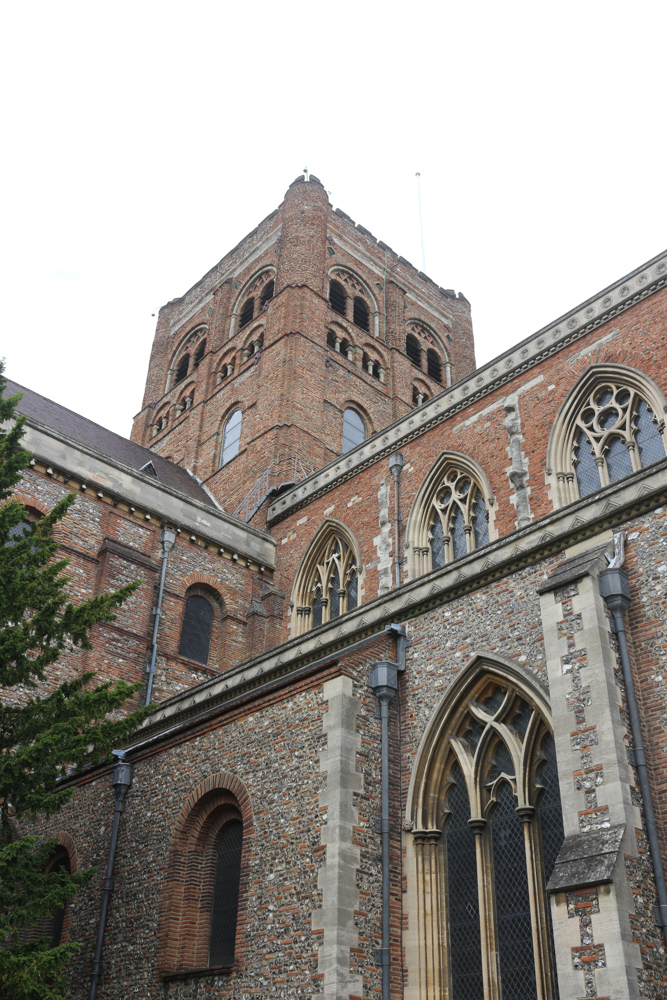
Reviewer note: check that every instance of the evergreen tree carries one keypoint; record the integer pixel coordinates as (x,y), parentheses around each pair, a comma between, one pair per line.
(46,728)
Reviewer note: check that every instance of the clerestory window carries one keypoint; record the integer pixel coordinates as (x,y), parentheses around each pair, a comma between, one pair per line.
(196,630)
(354,431)
(327,585)
(458,519)
(231,437)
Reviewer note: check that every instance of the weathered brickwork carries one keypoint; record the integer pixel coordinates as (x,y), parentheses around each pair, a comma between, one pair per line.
(291,742)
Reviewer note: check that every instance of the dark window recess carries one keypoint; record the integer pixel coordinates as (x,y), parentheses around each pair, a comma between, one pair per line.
(267,294)
(352,591)
(361,315)
(551,828)
(247,313)
(182,370)
(331,340)
(200,352)
(317,609)
(513,922)
(337,297)
(370,367)
(413,350)
(418,397)
(334,596)
(586,471)
(196,631)
(462,900)
(480,524)
(226,894)
(433,366)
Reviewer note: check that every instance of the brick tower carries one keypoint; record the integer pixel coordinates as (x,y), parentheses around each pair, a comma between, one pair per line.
(307,337)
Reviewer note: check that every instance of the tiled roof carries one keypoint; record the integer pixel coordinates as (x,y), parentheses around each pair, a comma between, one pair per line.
(104,441)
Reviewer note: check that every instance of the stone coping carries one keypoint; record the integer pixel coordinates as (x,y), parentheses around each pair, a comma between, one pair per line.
(638,493)
(638,285)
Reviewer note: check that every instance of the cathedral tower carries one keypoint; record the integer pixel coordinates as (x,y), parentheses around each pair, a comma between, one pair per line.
(308,337)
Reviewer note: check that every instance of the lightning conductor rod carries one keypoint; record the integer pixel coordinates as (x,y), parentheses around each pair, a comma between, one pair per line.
(421,224)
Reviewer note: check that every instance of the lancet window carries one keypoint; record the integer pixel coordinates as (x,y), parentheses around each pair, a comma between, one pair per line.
(491,800)
(611,426)
(328,583)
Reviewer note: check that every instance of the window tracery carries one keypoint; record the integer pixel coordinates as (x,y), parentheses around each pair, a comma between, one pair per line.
(327,585)
(611,426)
(451,515)
(488,797)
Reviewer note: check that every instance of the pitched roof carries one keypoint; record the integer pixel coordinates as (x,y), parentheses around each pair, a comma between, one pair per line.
(106,442)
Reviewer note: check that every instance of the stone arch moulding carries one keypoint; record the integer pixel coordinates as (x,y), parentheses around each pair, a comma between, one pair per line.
(487,741)
(417,542)
(186,892)
(307,572)
(419,328)
(560,467)
(365,287)
(188,342)
(427,770)
(265,274)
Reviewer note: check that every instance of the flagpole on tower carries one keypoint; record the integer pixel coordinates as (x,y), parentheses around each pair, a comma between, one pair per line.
(421,224)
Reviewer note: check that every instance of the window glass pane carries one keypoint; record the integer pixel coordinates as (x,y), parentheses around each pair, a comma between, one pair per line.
(462,899)
(456,525)
(513,923)
(334,597)
(649,439)
(354,431)
(352,591)
(479,523)
(231,438)
(588,477)
(196,630)
(551,829)
(437,545)
(619,463)
(317,610)
(226,894)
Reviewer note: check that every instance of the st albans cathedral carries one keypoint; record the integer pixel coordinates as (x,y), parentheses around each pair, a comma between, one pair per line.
(404,623)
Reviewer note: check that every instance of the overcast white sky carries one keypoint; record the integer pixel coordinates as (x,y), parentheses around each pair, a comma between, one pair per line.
(143,140)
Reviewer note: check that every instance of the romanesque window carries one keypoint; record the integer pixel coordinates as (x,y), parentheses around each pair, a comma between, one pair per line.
(202,891)
(247,312)
(182,369)
(354,431)
(611,426)
(419,396)
(327,584)
(360,314)
(267,293)
(199,353)
(337,297)
(413,350)
(196,630)
(226,894)
(488,795)
(231,437)
(433,366)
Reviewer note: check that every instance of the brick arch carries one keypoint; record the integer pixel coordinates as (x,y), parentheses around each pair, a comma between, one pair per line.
(188,888)
(29,501)
(64,840)
(204,579)
(203,585)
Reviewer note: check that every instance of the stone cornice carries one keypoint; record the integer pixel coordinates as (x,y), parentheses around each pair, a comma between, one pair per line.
(611,302)
(637,494)
(95,474)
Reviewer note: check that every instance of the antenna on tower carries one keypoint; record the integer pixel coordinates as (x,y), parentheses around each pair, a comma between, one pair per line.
(421,224)
(305,170)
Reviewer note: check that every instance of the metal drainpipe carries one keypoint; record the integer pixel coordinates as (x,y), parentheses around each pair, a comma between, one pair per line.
(122,781)
(396,463)
(384,682)
(615,590)
(167,540)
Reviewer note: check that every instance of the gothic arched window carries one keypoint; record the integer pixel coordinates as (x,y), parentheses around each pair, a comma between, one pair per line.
(611,426)
(327,585)
(488,792)
(231,437)
(354,431)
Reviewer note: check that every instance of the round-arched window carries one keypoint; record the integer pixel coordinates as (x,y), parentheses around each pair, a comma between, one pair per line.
(231,437)
(354,431)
